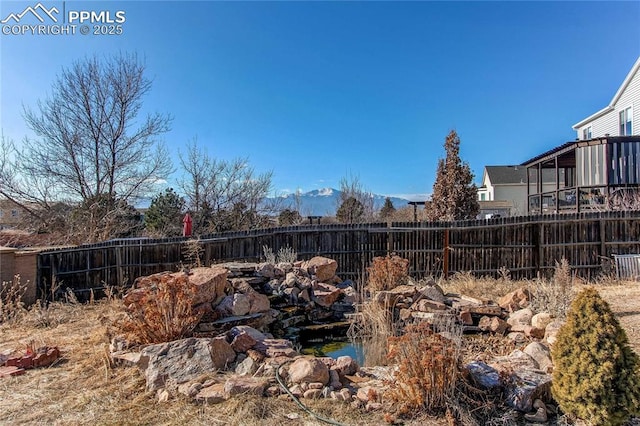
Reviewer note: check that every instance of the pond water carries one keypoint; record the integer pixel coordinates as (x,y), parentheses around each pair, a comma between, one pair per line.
(335,349)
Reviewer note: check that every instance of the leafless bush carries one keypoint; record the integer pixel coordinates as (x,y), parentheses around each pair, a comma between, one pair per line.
(554,296)
(11,305)
(388,272)
(192,252)
(287,255)
(164,313)
(428,368)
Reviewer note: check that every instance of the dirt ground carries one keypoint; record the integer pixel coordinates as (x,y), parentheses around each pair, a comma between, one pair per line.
(84,388)
(625,302)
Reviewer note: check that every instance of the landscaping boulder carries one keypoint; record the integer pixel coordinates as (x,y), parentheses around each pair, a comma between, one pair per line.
(210,284)
(483,375)
(170,364)
(525,386)
(551,331)
(541,320)
(433,291)
(494,324)
(213,394)
(541,354)
(346,366)
(326,295)
(239,329)
(245,386)
(515,300)
(519,319)
(322,267)
(307,370)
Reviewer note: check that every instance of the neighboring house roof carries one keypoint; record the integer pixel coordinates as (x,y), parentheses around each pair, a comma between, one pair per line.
(612,104)
(495,204)
(505,175)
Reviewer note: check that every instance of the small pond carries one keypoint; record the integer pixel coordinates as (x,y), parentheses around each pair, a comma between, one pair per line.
(335,349)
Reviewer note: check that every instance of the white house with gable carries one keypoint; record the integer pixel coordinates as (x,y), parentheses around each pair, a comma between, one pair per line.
(621,117)
(503,191)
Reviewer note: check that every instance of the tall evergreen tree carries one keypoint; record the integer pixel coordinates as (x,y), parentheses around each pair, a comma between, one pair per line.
(454,193)
(387,209)
(350,211)
(164,216)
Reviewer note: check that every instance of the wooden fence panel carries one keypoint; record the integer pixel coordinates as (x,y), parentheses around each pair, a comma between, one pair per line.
(526,246)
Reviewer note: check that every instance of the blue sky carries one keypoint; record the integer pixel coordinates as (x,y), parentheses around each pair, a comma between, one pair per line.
(318,90)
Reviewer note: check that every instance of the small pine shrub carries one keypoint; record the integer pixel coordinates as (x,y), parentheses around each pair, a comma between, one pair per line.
(164,313)
(388,272)
(596,374)
(428,369)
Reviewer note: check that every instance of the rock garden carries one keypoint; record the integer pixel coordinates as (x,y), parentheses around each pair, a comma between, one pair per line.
(209,336)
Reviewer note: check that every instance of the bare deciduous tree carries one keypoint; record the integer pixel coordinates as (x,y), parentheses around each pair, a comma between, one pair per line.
(223,195)
(92,141)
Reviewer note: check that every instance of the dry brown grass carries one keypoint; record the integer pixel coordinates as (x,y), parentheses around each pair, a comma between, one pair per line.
(11,306)
(480,287)
(372,327)
(84,388)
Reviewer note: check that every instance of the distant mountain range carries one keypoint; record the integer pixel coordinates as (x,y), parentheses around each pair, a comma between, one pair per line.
(325,202)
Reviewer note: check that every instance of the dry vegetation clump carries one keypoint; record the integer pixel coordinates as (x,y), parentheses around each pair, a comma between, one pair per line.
(481,287)
(11,306)
(485,347)
(375,323)
(373,326)
(428,368)
(388,272)
(285,254)
(164,313)
(554,296)
(192,252)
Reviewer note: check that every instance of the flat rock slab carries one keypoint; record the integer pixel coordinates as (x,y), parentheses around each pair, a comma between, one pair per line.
(11,371)
(173,363)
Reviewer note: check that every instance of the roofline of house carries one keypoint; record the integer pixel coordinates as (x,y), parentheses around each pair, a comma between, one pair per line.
(568,146)
(610,107)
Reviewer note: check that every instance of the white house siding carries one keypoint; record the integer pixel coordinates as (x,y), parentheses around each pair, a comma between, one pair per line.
(609,123)
(516,193)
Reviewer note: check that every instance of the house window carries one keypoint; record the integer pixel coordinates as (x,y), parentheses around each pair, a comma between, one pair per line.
(626,124)
(482,197)
(14,213)
(586,133)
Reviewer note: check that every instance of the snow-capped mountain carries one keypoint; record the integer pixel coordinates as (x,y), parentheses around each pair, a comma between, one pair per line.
(325,202)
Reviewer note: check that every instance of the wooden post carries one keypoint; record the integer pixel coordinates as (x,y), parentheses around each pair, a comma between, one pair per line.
(119,265)
(537,237)
(603,239)
(445,254)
